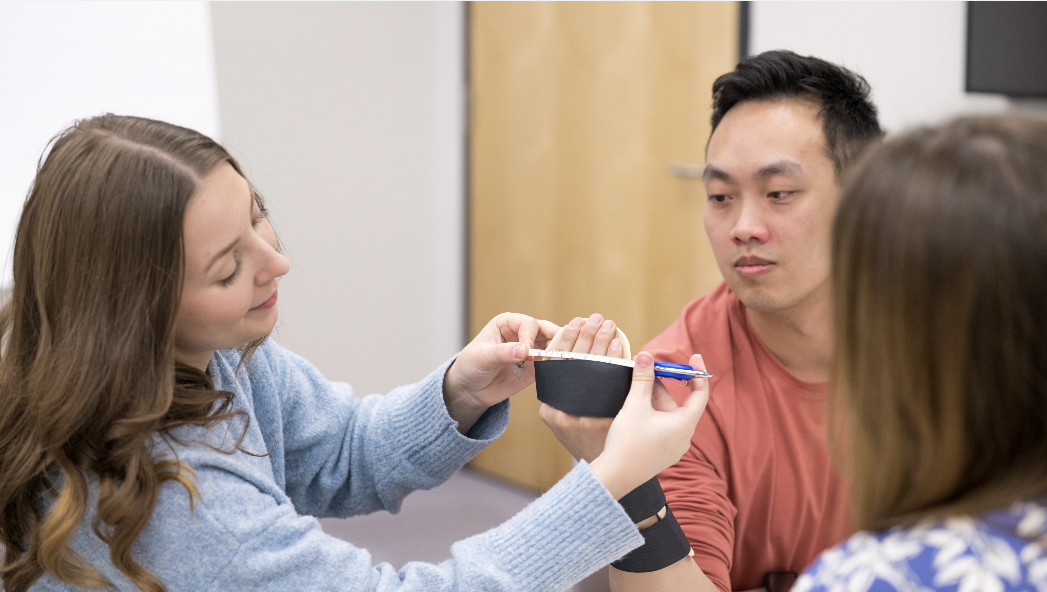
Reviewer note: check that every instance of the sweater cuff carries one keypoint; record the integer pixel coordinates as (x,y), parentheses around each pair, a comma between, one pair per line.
(571,531)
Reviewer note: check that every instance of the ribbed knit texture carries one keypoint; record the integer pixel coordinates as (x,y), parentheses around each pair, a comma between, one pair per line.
(336,455)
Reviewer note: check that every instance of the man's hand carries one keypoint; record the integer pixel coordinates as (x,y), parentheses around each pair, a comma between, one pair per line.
(583,437)
(483,374)
(592,336)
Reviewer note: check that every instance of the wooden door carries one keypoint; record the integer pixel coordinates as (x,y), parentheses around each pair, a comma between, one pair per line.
(578,111)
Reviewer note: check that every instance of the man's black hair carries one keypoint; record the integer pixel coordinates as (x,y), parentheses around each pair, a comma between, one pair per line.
(848,117)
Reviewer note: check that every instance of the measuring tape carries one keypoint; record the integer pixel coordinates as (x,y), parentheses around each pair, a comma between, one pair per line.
(663,369)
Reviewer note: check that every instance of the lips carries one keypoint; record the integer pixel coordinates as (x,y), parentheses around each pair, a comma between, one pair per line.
(267,304)
(751,266)
(751,260)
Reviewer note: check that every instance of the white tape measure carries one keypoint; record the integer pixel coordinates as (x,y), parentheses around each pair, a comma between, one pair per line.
(663,369)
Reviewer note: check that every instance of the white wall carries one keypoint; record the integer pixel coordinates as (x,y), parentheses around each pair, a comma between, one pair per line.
(350,117)
(912,53)
(62,61)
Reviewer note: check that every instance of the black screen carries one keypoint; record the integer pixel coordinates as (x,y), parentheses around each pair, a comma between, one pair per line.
(1007,48)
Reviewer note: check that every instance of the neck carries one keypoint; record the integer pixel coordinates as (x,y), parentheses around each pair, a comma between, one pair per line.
(800,337)
(196,360)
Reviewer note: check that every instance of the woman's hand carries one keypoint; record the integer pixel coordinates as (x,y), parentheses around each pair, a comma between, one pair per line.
(651,432)
(483,374)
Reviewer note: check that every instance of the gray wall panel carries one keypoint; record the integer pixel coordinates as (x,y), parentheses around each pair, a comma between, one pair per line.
(350,117)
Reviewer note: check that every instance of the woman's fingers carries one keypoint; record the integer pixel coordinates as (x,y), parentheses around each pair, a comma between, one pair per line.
(508,353)
(517,327)
(514,327)
(699,397)
(661,400)
(546,331)
(643,382)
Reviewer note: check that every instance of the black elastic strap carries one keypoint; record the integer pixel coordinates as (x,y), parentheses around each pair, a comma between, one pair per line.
(664,544)
(583,387)
(644,501)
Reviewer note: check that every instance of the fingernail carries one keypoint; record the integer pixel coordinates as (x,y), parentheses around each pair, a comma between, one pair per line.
(518,352)
(615,345)
(595,319)
(575,324)
(643,360)
(606,326)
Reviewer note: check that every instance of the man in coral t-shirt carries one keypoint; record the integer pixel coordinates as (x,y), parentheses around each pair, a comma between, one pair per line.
(756,494)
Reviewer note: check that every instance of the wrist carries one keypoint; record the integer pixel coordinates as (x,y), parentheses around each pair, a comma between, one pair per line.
(461,405)
(611,476)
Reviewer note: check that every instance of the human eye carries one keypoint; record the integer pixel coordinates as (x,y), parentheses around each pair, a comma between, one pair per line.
(779,195)
(718,198)
(226,282)
(259,216)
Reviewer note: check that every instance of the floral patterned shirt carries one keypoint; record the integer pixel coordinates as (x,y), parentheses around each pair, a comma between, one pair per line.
(997,552)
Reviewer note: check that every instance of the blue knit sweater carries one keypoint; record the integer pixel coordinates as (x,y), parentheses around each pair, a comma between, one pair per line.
(336,455)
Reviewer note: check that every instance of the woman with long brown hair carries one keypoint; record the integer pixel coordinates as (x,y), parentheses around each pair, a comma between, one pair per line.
(940,375)
(151,438)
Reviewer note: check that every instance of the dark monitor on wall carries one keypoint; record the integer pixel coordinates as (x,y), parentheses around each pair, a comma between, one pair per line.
(1007,48)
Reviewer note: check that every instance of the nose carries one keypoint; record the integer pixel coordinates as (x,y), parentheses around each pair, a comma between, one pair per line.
(274,265)
(751,223)
(281,266)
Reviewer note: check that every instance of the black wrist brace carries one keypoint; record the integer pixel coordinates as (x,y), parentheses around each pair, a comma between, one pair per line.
(644,501)
(583,387)
(664,544)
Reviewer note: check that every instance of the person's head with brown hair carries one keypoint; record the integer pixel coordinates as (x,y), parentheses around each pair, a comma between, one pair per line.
(940,285)
(101,339)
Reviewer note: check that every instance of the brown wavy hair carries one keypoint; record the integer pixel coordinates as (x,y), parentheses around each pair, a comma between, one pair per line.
(940,280)
(88,376)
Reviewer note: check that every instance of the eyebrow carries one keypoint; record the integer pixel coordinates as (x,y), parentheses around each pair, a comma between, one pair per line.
(712,172)
(787,168)
(222,253)
(784,167)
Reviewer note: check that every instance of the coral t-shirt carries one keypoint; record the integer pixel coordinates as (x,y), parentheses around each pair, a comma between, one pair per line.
(756,492)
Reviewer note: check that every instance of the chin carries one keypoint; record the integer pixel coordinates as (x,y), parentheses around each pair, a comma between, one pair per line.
(262,331)
(761,299)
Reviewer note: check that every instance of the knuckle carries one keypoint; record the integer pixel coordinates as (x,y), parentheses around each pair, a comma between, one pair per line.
(643,377)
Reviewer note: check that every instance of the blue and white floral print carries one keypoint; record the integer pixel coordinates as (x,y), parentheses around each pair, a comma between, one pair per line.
(1000,551)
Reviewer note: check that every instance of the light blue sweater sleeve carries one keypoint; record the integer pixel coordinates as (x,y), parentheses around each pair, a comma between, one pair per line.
(320,435)
(331,454)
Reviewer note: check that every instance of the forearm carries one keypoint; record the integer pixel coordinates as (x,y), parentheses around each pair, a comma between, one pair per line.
(362,455)
(682,576)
